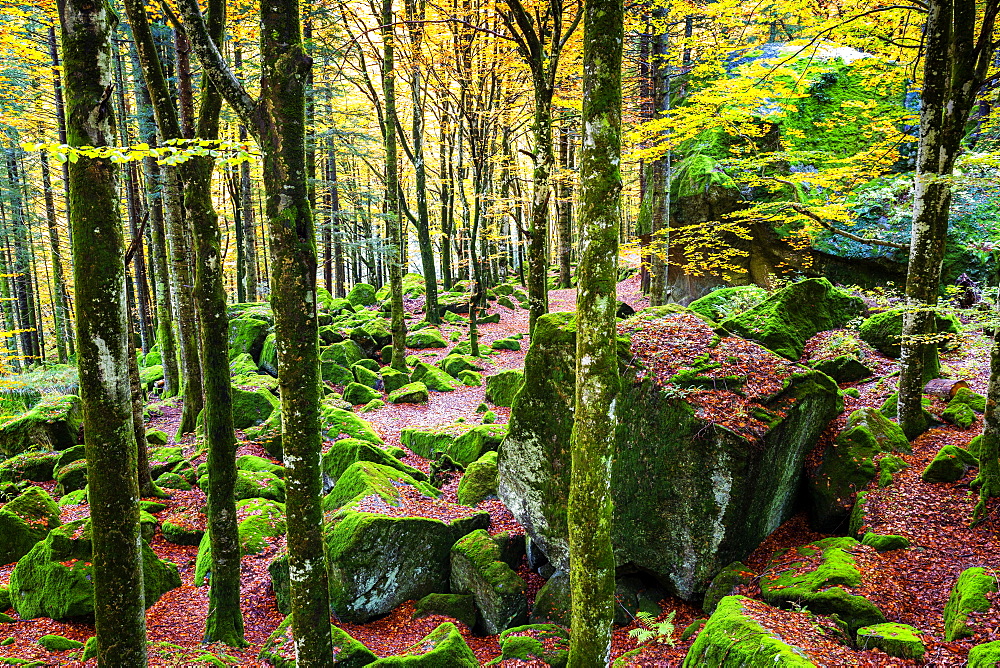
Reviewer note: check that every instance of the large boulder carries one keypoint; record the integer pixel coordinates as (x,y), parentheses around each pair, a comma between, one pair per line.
(727,302)
(252,407)
(702,474)
(52,424)
(338,422)
(970,595)
(791,316)
(362,294)
(247,335)
(502,387)
(33,466)
(500,593)
(345,452)
(56,578)
(25,521)
(883,330)
(463,442)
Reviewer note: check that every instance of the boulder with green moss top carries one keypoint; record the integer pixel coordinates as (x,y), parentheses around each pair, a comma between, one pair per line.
(848,465)
(949,464)
(442,647)
(247,335)
(883,330)
(959,414)
(392,379)
(434,378)
(727,302)
(500,593)
(986,655)
(171,480)
(372,405)
(51,424)
(362,294)
(254,463)
(242,365)
(791,316)
(479,481)
(463,442)
(725,584)
(24,521)
(364,479)
(973,400)
(818,576)
(885,543)
(471,378)
(428,337)
(279,648)
(454,364)
(692,494)
(737,617)
(70,455)
(490,319)
(458,606)
(364,375)
(506,344)
(890,407)
(71,477)
(888,467)
(346,354)
(150,376)
(503,386)
(33,466)
(56,578)
(357,394)
(57,643)
(156,438)
(345,452)
(411,393)
(75,498)
(968,596)
(898,640)
(252,407)
(843,357)
(335,373)
(268,361)
(376,332)
(181,528)
(547,643)
(338,422)
(5,598)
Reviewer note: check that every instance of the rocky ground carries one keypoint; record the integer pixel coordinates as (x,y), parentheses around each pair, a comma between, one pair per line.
(910,585)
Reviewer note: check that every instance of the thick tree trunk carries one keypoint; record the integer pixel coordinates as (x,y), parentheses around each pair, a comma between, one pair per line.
(102,335)
(989,448)
(592,561)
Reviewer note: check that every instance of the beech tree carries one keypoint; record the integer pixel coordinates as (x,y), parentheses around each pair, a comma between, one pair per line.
(103,337)
(592,560)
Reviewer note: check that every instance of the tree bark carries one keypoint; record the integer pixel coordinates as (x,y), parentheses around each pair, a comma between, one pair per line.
(592,562)
(989,448)
(565,208)
(102,335)
(59,289)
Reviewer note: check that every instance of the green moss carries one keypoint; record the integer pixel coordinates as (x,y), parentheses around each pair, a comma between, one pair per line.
(279,648)
(178,530)
(548,643)
(345,452)
(55,643)
(247,335)
(170,480)
(346,354)
(411,393)
(725,302)
(883,330)
(364,375)
(506,344)
(455,364)
(392,379)
(363,478)
(725,583)
(243,365)
(477,569)
(479,481)
(897,640)
(252,407)
(885,543)
(502,387)
(986,655)
(339,422)
(33,466)
(949,464)
(253,463)
(959,414)
(357,394)
(964,395)
(71,477)
(889,466)
(458,606)
(444,646)
(471,378)
(433,377)
(335,373)
(52,424)
(967,596)
(428,337)
(149,376)
(463,442)
(25,521)
(372,405)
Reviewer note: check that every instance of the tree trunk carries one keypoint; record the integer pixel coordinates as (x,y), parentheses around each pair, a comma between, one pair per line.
(447,196)
(102,336)
(58,301)
(538,257)
(989,447)
(565,208)
(592,561)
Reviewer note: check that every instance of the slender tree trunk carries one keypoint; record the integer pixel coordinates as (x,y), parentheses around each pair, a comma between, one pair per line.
(565,209)
(538,255)
(58,301)
(102,335)
(61,121)
(658,184)
(246,207)
(592,561)
(989,448)
(447,196)
(22,263)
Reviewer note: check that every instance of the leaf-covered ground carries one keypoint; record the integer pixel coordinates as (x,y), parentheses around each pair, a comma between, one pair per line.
(911,586)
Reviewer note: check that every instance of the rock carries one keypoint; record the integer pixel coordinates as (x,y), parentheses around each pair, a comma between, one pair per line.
(820,582)
(252,407)
(889,466)
(268,362)
(883,330)
(164,459)
(547,643)
(553,601)
(690,496)
(150,376)
(71,477)
(736,617)
(463,442)
(479,481)
(363,479)
(471,378)
(411,393)
(178,528)
(279,648)
(726,302)
(5,598)
(433,377)
(458,606)
(843,357)
(898,640)
(635,594)
(332,372)
(500,594)
(173,481)
(428,337)
(885,543)
(155,437)
(364,375)
(969,595)
(949,464)
(52,424)
(506,344)
(443,647)
(345,452)
(73,498)
(503,386)
(253,463)
(848,465)
(346,354)
(392,379)
(247,335)
(490,319)
(986,655)
(25,521)
(339,422)
(54,643)
(964,395)
(455,364)
(843,368)
(378,333)
(55,579)
(372,405)
(33,466)
(243,365)
(725,583)
(362,294)
(356,393)
(791,316)
(959,414)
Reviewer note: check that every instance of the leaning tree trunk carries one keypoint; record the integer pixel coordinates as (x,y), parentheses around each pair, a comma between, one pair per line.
(592,561)
(103,340)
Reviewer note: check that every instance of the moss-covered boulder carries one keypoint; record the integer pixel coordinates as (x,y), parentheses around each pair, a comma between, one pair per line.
(346,354)
(247,335)
(428,337)
(693,492)
(898,640)
(371,480)
(500,593)
(547,643)
(337,374)
(254,463)
(725,583)
(25,521)
(969,595)
(183,528)
(503,386)
(843,356)
(727,302)
(949,464)
(357,394)
(268,362)
(959,414)
(791,316)
(458,606)
(986,655)
(338,422)
(279,648)
(434,378)
(56,578)
(52,424)
(848,465)
(347,451)
(819,576)
(507,343)
(149,376)
(33,466)
(362,294)
(885,542)
(164,459)
(973,400)
(444,646)
(463,442)
(479,481)
(883,330)
(454,364)
(57,643)
(392,379)
(471,378)
(71,477)
(364,375)
(411,393)
(242,365)
(252,407)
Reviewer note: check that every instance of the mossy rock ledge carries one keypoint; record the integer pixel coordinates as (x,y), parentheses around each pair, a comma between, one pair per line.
(500,593)
(52,424)
(691,494)
(24,521)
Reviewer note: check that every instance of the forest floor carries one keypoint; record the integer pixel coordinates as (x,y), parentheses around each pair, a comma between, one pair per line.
(911,585)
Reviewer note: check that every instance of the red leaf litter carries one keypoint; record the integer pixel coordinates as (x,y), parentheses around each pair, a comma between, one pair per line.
(911,586)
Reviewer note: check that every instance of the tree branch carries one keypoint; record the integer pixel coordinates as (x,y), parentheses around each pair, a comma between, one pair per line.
(799,208)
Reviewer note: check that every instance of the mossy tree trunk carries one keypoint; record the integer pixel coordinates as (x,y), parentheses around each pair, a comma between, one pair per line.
(103,338)
(58,293)
(958,53)
(989,448)
(592,562)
